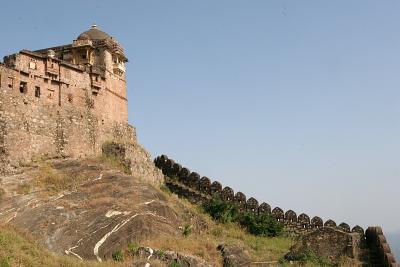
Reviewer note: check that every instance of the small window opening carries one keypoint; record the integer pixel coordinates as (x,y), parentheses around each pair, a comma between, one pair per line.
(32,65)
(83,56)
(23,87)
(70,98)
(10,82)
(37,91)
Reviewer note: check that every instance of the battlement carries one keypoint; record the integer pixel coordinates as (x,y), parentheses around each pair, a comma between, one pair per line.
(185,183)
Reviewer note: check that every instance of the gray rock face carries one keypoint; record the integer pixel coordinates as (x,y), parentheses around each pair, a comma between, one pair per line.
(106,211)
(234,256)
(169,257)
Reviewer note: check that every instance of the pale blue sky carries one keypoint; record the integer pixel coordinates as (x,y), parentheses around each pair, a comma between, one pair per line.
(296,103)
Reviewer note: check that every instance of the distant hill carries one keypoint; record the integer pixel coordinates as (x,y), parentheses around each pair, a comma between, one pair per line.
(394,241)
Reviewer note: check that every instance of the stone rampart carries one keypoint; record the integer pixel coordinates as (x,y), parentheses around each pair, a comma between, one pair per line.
(376,241)
(198,189)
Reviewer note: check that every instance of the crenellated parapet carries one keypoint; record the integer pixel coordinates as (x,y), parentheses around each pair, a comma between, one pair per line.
(198,189)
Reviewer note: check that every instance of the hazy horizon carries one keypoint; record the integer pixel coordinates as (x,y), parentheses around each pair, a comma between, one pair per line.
(296,104)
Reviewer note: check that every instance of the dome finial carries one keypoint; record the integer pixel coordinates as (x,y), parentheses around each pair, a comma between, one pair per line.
(94,25)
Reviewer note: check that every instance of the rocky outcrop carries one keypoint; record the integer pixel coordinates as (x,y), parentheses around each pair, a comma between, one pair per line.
(103,209)
(170,257)
(135,158)
(234,256)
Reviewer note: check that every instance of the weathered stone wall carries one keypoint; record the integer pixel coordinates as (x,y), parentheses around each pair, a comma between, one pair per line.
(376,241)
(329,243)
(66,84)
(198,189)
(33,128)
(339,238)
(67,119)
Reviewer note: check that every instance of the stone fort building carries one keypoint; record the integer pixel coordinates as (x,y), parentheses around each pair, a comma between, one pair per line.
(65,101)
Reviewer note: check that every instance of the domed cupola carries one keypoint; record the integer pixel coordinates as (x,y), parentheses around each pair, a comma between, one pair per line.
(94,34)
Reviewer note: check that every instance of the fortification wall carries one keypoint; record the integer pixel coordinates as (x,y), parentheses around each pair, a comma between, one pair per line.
(66,119)
(197,189)
(376,240)
(32,128)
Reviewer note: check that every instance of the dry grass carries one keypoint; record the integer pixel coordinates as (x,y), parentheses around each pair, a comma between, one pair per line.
(19,250)
(23,188)
(115,162)
(2,193)
(204,243)
(53,180)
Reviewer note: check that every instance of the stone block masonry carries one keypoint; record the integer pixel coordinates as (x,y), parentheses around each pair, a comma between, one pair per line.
(67,101)
(30,127)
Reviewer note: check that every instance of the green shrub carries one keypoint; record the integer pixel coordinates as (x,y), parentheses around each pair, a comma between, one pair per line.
(307,258)
(118,255)
(133,248)
(226,212)
(4,263)
(165,189)
(187,230)
(261,225)
(311,257)
(174,264)
(221,211)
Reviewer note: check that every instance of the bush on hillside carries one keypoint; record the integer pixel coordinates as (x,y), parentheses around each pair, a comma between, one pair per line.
(226,212)
(221,211)
(187,230)
(262,224)
(118,255)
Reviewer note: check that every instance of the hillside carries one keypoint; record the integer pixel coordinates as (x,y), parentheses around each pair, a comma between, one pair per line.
(78,212)
(90,209)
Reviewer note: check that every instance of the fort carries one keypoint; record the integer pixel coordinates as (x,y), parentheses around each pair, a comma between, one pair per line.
(71,101)
(67,100)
